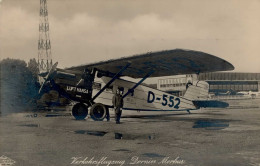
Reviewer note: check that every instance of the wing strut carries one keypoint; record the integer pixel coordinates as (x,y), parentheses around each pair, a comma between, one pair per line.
(137,84)
(111,81)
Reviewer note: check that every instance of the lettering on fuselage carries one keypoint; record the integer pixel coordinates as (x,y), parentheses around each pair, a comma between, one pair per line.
(166,101)
(81,90)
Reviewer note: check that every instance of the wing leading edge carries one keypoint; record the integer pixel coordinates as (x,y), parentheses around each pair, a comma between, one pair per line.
(163,63)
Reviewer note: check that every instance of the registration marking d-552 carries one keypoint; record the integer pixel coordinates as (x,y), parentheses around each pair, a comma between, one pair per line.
(166,100)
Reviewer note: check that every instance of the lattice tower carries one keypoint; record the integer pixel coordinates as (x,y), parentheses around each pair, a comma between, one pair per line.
(44,43)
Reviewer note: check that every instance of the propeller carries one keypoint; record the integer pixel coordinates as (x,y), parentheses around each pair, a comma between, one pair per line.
(48,77)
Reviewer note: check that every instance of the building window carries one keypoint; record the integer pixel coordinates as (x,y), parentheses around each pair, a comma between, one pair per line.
(240,87)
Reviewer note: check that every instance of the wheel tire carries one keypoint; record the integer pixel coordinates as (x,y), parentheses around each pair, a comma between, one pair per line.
(98,112)
(80,111)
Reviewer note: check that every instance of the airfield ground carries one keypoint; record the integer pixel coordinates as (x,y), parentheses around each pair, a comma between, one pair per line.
(210,137)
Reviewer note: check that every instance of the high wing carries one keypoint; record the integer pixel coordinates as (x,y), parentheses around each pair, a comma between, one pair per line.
(162,63)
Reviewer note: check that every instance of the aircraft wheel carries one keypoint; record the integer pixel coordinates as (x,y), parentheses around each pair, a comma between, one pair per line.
(98,112)
(80,111)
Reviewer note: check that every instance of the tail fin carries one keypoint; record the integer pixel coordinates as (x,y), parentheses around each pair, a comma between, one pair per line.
(199,94)
(197,91)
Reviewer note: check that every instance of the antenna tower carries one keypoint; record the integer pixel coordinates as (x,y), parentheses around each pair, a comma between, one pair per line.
(44,43)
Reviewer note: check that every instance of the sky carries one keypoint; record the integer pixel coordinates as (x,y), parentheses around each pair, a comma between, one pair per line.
(84,31)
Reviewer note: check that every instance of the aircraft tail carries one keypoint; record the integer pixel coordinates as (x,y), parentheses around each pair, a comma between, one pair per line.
(199,94)
(197,91)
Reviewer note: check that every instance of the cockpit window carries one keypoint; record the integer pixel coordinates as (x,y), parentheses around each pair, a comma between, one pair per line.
(96,85)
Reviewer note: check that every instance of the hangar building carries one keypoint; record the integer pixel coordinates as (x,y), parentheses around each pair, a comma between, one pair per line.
(219,82)
(230,81)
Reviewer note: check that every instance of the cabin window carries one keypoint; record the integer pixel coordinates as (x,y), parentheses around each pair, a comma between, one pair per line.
(110,88)
(131,93)
(96,85)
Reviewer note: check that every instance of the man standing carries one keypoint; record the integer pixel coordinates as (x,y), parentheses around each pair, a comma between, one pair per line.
(118,104)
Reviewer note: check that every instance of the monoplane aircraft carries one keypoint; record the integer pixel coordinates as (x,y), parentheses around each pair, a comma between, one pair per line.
(92,86)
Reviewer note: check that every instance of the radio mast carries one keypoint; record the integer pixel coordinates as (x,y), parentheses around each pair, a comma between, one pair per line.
(44,43)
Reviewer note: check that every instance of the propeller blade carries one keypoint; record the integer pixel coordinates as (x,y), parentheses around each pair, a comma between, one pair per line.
(47,78)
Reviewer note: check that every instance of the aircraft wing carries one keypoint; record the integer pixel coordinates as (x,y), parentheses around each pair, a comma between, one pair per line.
(163,63)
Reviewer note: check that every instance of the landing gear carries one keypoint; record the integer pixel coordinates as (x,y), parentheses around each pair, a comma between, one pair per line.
(80,111)
(98,112)
(189,111)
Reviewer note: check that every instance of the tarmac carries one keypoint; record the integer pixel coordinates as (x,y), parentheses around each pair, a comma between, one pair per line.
(210,137)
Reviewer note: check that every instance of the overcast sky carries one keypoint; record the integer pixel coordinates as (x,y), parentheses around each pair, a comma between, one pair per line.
(83,31)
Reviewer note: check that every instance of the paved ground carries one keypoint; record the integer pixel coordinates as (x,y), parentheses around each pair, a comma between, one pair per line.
(205,137)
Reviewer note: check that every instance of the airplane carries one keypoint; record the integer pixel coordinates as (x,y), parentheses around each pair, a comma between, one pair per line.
(254,94)
(243,93)
(92,86)
(226,93)
(249,93)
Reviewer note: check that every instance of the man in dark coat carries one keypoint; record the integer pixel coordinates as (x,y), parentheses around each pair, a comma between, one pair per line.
(118,104)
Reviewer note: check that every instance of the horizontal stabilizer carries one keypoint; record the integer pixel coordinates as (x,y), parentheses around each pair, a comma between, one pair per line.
(210,103)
